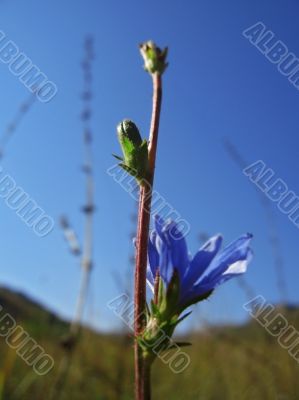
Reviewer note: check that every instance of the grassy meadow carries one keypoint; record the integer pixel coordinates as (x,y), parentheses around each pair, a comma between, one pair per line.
(240,362)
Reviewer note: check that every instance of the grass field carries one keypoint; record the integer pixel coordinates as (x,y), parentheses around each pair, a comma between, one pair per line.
(242,362)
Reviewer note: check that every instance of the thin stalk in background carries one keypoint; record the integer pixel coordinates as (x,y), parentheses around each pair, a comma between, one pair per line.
(70,342)
(88,209)
(4,139)
(13,125)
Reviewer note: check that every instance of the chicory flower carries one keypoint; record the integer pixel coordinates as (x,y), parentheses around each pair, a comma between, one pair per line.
(197,276)
(178,280)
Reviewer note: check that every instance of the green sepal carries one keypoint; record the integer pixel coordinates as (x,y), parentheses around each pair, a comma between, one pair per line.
(117,157)
(155,309)
(171,297)
(164,316)
(128,169)
(197,299)
(176,320)
(161,292)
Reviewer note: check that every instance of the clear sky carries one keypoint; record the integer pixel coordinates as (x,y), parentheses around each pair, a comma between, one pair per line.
(217,85)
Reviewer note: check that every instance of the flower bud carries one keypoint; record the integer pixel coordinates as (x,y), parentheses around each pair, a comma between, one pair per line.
(135,151)
(127,129)
(154,57)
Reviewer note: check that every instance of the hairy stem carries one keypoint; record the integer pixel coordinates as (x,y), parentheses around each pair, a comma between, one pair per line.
(142,370)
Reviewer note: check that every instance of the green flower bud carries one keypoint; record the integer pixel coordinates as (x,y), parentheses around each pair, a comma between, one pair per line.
(135,151)
(154,57)
(127,129)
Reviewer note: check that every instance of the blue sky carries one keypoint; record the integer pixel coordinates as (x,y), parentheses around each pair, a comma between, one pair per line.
(217,85)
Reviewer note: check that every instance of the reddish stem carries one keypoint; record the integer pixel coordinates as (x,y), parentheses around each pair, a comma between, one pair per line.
(156,287)
(142,370)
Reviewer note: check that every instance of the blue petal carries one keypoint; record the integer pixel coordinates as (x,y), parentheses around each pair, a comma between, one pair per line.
(172,249)
(150,279)
(177,248)
(232,253)
(202,260)
(153,255)
(201,288)
(159,225)
(164,264)
(235,257)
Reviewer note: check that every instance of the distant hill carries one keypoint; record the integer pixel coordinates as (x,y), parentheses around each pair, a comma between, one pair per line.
(29,312)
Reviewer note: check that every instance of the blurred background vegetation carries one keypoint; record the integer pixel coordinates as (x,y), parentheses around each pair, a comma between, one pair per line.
(229,362)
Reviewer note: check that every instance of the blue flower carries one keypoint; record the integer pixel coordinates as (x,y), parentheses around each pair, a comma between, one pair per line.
(200,275)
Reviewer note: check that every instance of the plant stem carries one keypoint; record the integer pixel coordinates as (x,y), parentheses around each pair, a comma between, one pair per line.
(142,370)
(147,380)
